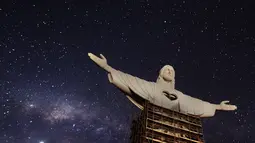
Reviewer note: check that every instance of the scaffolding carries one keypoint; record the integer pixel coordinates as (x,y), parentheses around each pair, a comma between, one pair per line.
(156,124)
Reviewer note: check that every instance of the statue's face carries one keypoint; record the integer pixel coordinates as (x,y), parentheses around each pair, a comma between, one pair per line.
(168,74)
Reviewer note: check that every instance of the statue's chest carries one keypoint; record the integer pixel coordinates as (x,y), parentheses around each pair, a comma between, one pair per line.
(167,98)
(169,94)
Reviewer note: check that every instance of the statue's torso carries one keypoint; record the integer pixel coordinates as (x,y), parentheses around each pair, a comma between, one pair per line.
(176,100)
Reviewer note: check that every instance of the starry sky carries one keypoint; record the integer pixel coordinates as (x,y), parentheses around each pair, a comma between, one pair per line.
(51,92)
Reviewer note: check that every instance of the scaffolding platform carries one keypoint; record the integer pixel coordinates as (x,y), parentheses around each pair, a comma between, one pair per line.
(156,124)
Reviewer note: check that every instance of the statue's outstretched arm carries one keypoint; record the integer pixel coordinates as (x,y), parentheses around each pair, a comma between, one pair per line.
(224,106)
(202,108)
(210,108)
(100,61)
(126,82)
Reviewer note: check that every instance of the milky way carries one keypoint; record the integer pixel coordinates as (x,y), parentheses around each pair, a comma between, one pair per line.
(67,112)
(48,110)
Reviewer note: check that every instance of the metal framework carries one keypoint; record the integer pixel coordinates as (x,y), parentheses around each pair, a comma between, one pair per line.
(160,125)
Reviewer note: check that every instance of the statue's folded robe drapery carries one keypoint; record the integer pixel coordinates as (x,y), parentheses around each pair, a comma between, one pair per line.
(156,94)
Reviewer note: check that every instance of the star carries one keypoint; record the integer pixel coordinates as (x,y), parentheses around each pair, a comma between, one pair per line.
(31,105)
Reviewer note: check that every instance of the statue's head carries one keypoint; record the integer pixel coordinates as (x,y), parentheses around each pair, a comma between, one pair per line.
(167,74)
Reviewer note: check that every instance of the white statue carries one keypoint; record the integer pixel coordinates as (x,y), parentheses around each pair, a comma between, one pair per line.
(162,92)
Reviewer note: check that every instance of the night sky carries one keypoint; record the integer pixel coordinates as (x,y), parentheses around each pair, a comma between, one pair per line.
(51,92)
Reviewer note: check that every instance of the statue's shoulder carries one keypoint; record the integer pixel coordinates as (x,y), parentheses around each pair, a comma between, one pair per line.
(177,91)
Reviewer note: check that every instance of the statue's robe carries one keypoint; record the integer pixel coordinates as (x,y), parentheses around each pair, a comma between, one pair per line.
(160,94)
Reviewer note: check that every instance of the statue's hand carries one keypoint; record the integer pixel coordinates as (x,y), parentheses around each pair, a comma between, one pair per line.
(227,107)
(100,61)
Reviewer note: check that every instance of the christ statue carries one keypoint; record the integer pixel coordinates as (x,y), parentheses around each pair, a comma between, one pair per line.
(161,93)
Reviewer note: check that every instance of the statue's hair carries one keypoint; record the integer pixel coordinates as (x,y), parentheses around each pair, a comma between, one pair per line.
(160,77)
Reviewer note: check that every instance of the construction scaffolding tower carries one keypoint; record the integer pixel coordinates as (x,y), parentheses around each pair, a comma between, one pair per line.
(160,125)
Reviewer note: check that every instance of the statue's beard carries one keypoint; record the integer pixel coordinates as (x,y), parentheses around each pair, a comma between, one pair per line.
(168,80)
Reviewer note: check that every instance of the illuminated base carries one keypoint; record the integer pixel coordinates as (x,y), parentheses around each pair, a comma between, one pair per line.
(160,125)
